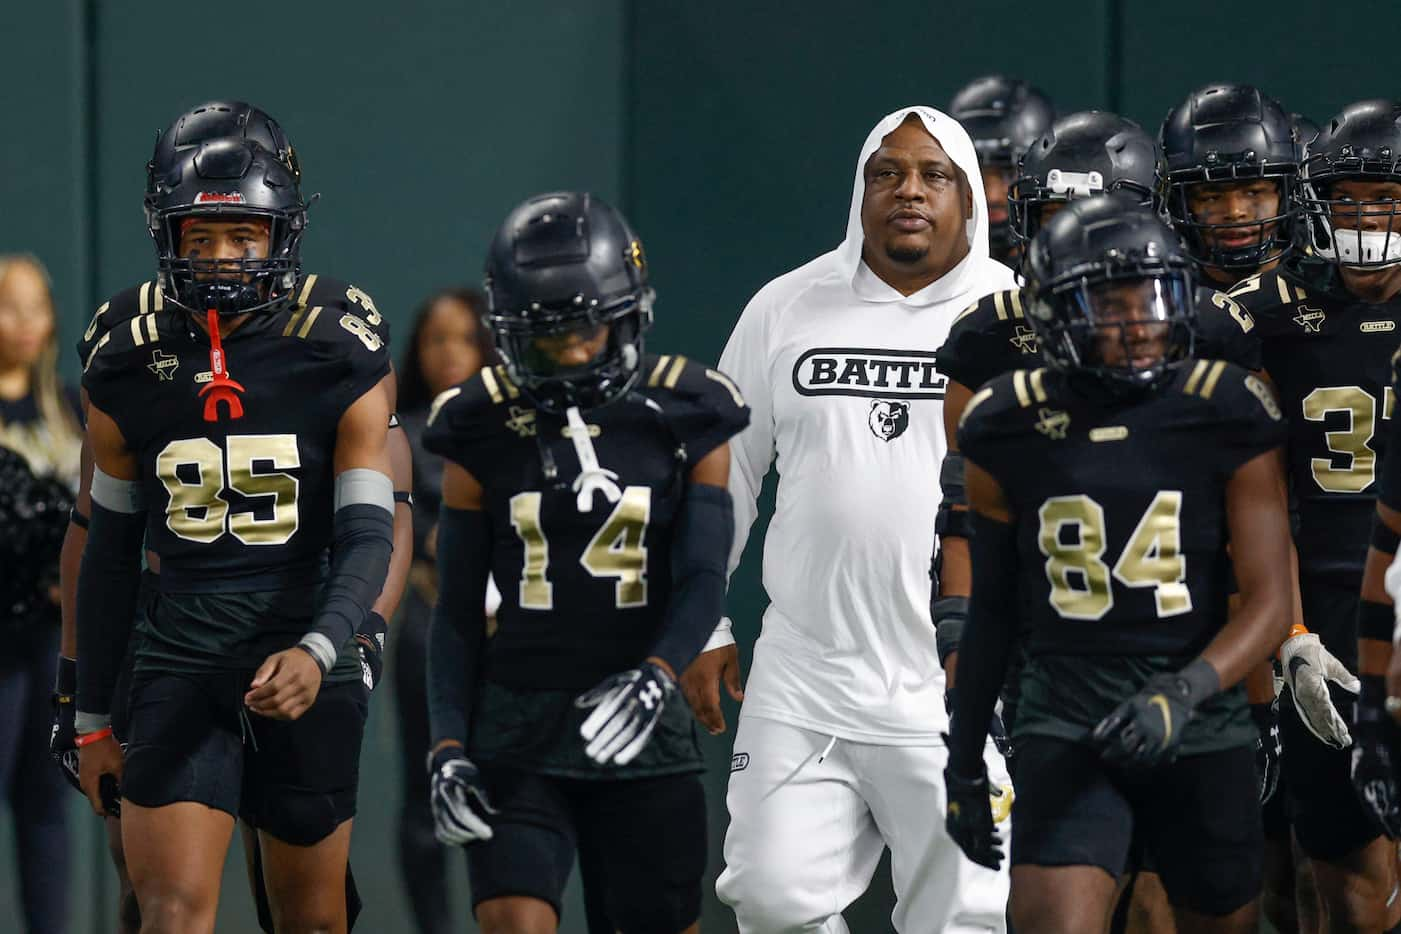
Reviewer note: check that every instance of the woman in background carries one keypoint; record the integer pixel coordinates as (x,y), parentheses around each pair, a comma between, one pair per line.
(446,346)
(40,422)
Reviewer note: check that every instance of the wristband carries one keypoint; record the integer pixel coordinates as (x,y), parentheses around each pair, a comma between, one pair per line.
(320,649)
(86,739)
(84,722)
(1384,539)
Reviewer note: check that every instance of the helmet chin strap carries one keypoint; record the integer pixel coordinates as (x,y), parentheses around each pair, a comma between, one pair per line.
(593,477)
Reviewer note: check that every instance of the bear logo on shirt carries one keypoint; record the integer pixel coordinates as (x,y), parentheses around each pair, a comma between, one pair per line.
(888,420)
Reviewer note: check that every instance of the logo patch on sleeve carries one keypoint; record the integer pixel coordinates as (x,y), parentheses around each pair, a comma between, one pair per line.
(869,372)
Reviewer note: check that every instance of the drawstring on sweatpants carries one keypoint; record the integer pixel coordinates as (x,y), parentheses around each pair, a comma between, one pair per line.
(830,743)
(246,726)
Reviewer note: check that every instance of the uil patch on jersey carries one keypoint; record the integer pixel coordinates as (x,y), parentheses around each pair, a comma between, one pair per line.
(874,373)
(889,419)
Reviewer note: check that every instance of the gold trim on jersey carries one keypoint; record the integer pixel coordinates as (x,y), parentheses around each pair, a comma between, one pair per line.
(1019,387)
(1205,375)
(492,389)
(977,399)
(999,302)
(311,317)
(1283,291)
(657,370)
(293,320)
(1017,304)
(101,342)
(144,302)
(306,291)
(966,312)
(1038,384)
(511,391)
(674,375)
(147,323)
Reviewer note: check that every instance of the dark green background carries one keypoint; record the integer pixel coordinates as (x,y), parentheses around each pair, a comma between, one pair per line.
(726,130)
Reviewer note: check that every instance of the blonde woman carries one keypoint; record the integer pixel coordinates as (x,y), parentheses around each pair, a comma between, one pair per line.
(39,421)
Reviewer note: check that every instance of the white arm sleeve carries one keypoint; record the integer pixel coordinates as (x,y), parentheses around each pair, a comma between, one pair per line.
(746,361)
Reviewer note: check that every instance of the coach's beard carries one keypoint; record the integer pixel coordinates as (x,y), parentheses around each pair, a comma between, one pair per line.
(906,255)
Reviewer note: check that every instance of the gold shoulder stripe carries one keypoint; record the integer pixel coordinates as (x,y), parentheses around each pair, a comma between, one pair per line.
(656,376)
(306,290)
(1283,290)
(101,342)
(137,337)
(965,312)
(151,331)
(674,374)
(977,399)
(298,312)
(492,388)
(311,317)
(505,378)
(1300,294)
(1038,384)
(999,302)
(144,303)
(1197,372)
(1019,387)
(1212,377)
(158,297)
(1017,304)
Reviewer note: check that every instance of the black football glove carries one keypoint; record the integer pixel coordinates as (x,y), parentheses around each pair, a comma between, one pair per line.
(1267,748)
(61,747)
(627,707)
(1375,757)
(461,811)
(1146,730)
(370,640)
(969,817)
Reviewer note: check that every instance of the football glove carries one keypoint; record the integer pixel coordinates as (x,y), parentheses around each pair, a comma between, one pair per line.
(461,811)
(369,638)
(1308,669)
(61,736)
(627,707)
(1146,730)
(969,818)
(1374,758)
(1267,748)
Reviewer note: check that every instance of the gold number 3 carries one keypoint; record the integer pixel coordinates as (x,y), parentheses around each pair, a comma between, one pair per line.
(617,550)
(193,472)
(1079,578)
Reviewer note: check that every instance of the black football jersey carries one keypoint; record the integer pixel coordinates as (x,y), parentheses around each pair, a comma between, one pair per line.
(236,505)
(993,336)
(1121,530)
(333,296)
(1329,357)
(583,594)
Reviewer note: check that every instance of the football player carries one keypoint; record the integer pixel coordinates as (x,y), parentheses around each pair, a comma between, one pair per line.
(247,694)
(1004,116)
(204,122)
(1327,321)
(1106,485)
(589,479)
(1232,159)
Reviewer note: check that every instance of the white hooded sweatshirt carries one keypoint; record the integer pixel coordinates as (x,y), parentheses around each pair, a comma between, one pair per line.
(838,368)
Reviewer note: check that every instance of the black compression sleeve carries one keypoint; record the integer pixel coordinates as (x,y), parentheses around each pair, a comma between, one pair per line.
(988,639)
(457,633)
(362,541)
(108,581)
(700,552)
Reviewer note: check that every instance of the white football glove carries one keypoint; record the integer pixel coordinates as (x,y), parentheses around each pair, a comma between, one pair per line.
(1308,667)
(458,799)
(627,707)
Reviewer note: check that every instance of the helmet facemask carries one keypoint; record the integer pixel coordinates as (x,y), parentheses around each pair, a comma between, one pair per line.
(532,343)
(1358,234)
(1262,239)
(1124,329)
(231,286)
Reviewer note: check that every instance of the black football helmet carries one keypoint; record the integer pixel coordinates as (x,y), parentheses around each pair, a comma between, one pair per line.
(1364,143)
(1107,280)
(217,119)
(562,267)
(226,178)
(1088,153)
(1003,116)
(1226,133)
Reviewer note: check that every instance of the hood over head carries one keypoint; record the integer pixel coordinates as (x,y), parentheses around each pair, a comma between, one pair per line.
(956,142)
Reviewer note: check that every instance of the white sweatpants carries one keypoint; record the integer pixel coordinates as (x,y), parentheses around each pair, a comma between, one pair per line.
(809,818)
